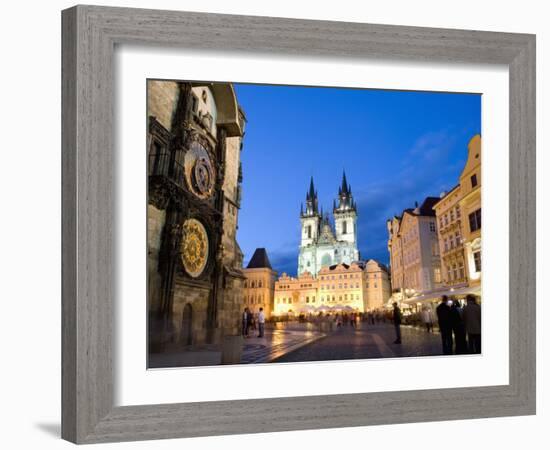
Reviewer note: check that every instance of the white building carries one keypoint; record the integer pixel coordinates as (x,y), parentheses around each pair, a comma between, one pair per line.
(321,245)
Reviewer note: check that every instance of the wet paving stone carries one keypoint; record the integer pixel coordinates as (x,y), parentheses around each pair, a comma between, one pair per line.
(367,341)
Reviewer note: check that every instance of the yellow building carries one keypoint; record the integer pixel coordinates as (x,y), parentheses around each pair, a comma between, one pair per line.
(342,286)
(377,284)
(450,236)
(470,206)
(355,287)
(259,286)
(458,215)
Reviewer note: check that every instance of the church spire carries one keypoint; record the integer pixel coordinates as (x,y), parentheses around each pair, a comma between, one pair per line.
(311,200)
(345,197)
(345,189)
(311,193)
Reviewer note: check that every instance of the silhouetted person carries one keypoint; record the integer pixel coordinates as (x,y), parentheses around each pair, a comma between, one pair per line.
(458,328)
(472,324)
(443,312)
(397,323)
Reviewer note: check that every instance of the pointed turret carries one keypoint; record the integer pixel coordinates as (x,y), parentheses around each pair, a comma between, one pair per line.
(345,198)
(345,218)
(311,201)
(311,188)
(345,189)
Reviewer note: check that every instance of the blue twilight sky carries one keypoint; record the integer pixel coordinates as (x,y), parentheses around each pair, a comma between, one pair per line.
(396,148)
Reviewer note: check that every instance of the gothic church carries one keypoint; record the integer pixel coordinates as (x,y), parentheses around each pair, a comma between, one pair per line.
(321,245)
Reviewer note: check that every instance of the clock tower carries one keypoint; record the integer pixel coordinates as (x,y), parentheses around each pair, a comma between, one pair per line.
(194,187)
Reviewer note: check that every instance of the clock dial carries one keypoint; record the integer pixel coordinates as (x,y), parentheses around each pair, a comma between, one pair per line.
(199,171)
(194,247)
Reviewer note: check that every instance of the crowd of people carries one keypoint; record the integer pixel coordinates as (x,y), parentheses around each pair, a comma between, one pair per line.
(459,325)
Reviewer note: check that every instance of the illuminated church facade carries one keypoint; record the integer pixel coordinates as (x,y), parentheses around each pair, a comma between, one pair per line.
(321,244)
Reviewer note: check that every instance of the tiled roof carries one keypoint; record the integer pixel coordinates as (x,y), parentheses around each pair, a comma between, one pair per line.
(259,260)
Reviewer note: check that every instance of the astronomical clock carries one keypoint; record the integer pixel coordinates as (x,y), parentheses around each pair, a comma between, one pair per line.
(194,247)
(187,166)
(200,174)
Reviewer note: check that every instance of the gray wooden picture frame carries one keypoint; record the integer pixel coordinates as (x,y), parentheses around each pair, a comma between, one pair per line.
(90,34)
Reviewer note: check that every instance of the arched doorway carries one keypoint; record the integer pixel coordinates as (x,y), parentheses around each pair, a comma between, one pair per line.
(186,325)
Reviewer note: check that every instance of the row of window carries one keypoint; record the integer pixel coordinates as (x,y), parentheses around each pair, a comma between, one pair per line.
(328,298)
(251,300)
(455,271)
(302,286)
(411,256)
(253,284)
(451,241)
(328,286)
(449,217)
(411,234)
(332,277)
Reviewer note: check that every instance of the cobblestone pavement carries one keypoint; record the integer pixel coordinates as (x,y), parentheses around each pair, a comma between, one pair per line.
(297,342)
(367,341)
(276,343)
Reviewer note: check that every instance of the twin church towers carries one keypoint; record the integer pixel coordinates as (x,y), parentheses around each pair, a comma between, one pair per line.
(321,245)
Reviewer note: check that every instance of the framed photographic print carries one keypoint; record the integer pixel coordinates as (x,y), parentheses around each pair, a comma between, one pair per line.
(259,218)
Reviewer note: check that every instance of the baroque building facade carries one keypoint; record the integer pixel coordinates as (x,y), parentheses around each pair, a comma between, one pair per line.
(414,250)
(449,229)
(359,286)
(259,285)
(470,205)
(458,215)
(194,262)
(320,244)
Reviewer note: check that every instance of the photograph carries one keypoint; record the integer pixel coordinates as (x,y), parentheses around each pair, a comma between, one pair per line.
(290,224)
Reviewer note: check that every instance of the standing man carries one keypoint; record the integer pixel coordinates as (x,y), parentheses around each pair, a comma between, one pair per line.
(261,323)
(445,324)
(472,324)
(397,323)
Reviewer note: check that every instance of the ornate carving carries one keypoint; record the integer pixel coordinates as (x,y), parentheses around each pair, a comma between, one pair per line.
(159,195)
(194,247)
